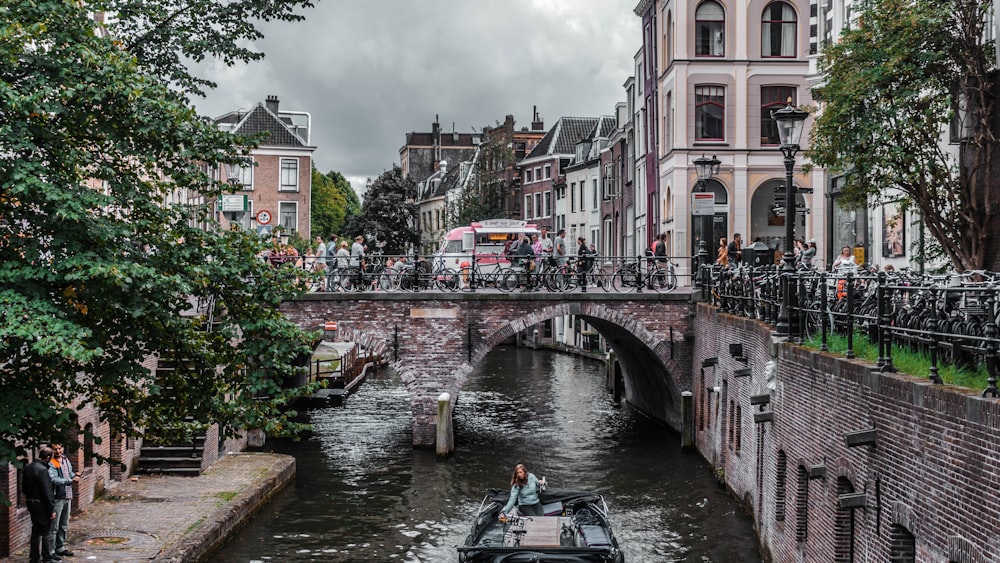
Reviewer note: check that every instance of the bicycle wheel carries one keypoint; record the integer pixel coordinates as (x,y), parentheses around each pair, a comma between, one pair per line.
(555,281)
(446,280)
(620,282)
(510,281)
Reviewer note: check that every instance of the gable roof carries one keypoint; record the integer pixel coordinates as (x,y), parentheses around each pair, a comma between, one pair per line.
(564,136)
(262,120)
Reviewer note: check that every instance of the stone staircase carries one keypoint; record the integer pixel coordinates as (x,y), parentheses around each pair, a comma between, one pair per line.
(176,458)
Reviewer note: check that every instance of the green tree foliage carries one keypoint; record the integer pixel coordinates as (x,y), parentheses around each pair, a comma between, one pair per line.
(388,214)
(328,207)
(484,194)
(99,271)
(892,87)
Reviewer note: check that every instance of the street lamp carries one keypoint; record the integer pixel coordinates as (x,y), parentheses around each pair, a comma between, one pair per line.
(790,122)
(706,168)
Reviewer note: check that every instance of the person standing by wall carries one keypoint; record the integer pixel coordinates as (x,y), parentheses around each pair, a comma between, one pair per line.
(62,476)
(722,254)
(559,248)
(735,250)
(37,488)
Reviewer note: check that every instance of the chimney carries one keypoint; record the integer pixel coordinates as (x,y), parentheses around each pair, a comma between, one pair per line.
(272,104)
(536,122)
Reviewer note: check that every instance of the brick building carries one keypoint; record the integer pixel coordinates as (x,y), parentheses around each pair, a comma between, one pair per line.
(275,190)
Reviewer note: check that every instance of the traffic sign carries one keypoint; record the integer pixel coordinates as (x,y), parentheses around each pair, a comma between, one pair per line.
(264,230)
(263,217)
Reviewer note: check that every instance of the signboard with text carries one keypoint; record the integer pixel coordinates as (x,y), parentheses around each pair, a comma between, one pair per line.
(233,202)
(703,203)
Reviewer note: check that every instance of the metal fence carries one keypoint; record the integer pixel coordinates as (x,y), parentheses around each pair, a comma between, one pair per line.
(492,272)
(953,318)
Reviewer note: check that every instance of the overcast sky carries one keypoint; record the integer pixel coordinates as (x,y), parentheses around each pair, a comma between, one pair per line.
(369,71)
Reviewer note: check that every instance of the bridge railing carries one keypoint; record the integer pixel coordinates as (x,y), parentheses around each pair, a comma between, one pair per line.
(498,273)
(953,318)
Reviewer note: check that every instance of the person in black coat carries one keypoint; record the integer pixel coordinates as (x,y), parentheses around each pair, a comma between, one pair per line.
(37,488)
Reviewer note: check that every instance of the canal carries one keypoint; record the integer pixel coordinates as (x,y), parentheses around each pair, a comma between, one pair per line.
(362,493)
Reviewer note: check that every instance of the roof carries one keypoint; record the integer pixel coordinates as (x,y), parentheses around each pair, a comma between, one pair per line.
(563,137)
(262,120)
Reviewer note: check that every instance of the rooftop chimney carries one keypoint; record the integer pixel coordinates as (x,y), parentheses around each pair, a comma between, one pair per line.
(272,104)
(536,122)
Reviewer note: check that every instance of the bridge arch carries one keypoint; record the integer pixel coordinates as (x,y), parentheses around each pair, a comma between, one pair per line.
(435,341)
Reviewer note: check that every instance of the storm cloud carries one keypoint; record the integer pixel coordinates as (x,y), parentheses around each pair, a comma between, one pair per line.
(369,71)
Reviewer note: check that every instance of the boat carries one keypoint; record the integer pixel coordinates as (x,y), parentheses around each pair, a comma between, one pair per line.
(574,529)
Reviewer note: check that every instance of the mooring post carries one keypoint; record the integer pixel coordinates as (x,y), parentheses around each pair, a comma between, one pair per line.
(443,441)
(687,421)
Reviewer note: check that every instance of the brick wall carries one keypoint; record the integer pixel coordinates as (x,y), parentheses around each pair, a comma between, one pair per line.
(931,478)
(434,340)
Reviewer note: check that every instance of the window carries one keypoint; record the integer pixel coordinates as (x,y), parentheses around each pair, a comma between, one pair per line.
(89,455)
(594,194)
(288,216)
(527,176)
(709,112)
(547,171)
(538,173)
(245,174)
(289,175)
(527,207)
(548,204)
(583,186)
(777,31)
(538,204)
(709,34)
(572,197)
(772,98)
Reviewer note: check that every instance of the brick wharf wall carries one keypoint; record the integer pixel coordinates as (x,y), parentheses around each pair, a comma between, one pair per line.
(434,340)
(931,478)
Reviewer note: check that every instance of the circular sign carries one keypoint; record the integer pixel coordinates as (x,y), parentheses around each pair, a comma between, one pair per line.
(263,217)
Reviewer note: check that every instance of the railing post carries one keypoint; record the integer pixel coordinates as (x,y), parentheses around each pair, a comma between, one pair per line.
(886,323)
(824,311)
(850,315)
(991,331)
(880,316)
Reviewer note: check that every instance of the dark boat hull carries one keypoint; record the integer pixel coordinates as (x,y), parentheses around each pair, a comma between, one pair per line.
(574,529)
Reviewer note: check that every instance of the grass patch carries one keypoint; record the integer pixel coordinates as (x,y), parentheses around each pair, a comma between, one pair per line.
(227,495)
(194,525)
(907,361)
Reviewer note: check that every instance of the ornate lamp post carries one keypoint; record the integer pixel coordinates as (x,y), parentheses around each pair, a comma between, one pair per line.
(706,168)
(790,122)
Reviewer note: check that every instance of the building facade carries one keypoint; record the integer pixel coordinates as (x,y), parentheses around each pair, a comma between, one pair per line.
(274,187)
(725,66)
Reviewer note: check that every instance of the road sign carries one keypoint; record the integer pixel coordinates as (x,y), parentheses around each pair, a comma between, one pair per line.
(233,202)
(264,230)
(703,203)
(263,217)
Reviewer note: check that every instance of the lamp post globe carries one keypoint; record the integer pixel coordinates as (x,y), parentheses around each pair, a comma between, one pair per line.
(706,168)
(790,122)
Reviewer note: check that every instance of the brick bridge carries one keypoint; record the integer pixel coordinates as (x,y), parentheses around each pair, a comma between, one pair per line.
(435,339)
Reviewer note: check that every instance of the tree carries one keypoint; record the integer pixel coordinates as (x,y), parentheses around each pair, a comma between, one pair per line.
(893,85)
(388,214)
(100,271)
(328,207)
(484,195)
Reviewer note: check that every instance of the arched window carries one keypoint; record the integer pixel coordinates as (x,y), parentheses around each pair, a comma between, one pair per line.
(710,26)
(709,113)
(843,526)
(777,30)
(802,505)
(779,487)
(903,545)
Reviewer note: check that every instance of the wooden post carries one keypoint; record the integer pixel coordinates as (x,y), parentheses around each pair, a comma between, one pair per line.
(687,421)
(443,441)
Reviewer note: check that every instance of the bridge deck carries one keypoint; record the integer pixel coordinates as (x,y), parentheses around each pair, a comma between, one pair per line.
(683,293)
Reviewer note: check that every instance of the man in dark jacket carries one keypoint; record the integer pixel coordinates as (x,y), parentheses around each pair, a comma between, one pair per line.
(37,489)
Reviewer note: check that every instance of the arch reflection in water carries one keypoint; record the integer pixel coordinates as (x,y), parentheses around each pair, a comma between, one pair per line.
(362,493)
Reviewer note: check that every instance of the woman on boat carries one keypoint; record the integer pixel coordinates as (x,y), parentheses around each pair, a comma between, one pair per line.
(524,487)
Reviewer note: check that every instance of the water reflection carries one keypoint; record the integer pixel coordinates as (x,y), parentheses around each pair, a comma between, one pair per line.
(363,493)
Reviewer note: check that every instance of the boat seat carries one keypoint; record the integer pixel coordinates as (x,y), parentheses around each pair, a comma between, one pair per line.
(552,509)
(595,536)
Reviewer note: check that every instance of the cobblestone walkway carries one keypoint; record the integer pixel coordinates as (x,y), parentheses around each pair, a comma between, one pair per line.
(166,518)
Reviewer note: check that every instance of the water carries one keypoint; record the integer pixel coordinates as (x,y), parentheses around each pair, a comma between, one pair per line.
(363,493)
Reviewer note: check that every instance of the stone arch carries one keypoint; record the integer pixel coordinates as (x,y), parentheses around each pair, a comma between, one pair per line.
(654,376)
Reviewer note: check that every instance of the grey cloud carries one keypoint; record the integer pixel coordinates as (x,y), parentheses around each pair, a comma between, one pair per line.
(369,71)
